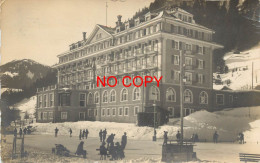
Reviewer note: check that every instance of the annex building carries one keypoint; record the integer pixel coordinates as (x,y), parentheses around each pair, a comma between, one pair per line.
(150,45)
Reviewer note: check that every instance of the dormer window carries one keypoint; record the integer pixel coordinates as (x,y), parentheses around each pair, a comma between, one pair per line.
(117,29)
(147,17)
(180,16)
(137,21)
(126,26)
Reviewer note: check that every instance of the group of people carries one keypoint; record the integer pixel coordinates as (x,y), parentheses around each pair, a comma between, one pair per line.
(83,134)
(21,132)
(103,135)
(194,138)
(115,150)
(241,138)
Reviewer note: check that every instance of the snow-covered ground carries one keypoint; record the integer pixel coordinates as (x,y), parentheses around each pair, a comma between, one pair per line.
(228,123)
(27,105)
(240,69)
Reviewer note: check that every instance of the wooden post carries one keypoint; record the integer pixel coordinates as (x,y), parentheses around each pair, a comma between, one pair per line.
(22,147)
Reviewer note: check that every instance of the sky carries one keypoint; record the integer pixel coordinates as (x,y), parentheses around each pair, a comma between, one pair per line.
(42,29)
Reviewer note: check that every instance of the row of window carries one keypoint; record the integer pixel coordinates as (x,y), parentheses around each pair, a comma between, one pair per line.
(220,99)
(200,78)
(45,115)
(189,61)
(47,100)
(120,111)
(178,45)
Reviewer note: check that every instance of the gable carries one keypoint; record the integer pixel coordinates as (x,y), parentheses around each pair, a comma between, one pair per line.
(98,34)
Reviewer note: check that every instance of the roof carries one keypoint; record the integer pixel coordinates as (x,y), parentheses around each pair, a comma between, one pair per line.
(107,29)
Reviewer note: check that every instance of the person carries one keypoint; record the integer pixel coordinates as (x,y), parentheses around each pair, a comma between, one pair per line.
(15,132)
(242,138)
(20,132)
(178,136)
(70,131)
(83,133)
(56,131)
(103,151)
(80,132)
(109,138)
(196,137)
(80,150)
(86,133)
(124,141)
(104,135)
(119,151)
(100,135)
(215,137)
(165,138)
(193,138)
(24,131)
(112,151)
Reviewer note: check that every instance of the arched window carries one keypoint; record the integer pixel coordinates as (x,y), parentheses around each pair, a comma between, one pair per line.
(154,93)
(124,95)
(90,98)
(171,95)
(96,97)
(188,98)
(113,96)
(104,99)
(137,93)
(203,98)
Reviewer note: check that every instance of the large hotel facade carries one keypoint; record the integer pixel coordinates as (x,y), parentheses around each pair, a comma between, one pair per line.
(150,45)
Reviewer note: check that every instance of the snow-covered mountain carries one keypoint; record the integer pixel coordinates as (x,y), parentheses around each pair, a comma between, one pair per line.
(22,73)
(243,69)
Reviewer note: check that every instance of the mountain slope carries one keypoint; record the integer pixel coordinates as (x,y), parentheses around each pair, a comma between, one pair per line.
(22,73)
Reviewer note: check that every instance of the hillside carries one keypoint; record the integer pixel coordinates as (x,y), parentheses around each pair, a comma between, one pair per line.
(22,73)
(239,76)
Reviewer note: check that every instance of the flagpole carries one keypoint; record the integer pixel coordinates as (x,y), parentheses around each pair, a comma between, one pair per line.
(181,96)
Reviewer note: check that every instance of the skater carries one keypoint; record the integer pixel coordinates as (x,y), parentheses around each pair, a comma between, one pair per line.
(112,151)
(178,136)
(215,137)
(165,138)
(100,135)
(83,134)
(80,133)
(15,132)
(119,151)
(103,151)
(20,132)
(70,131)
(109,138)
(86,133)
(104,135)
(56,131)
(24,131)
(80,150)
(124,141)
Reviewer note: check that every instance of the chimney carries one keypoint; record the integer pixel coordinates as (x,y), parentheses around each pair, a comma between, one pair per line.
(84,35)
(119,23)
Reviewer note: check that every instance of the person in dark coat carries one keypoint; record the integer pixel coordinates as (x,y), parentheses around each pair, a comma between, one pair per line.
(70,131)
(80,150)
(196,137)
(80,133)
(24,131)
(86,133)
(165,138)
(124,141)
(119,151)
(83,134)
(109,138)
(112,151)
(178,136)
(100,135)
(215,137)
(103,151)
(20,132)
(104,135)
(56,131)
(15,132)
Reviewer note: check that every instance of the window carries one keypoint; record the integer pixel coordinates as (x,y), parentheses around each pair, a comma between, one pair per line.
(171,111)
(188,47)
(39,115)
(124,95)
(137,93)
(154,93)
(175,45)
(201,64)
(82,100)
(188,96)
(114,111)
(50,115)
(81,115)
(220,99)
(103,112)
(177,75)
(65,99)
(96,111)
(170,95)
(51,100)
(96,97)
(203,98)
(105,97)
(176,60)
(90,98)
(120,111)
(40,101)
(113,96)
(126,111)
(45,115)
(230,99)
(64,115)
(136,110)
(201,78)
(188,77)
(108,112)
(200,50)
(44,100)
(188,61)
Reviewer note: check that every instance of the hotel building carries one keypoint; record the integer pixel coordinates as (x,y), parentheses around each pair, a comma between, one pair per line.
(150,45)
